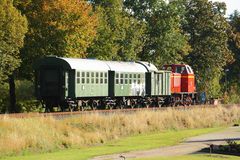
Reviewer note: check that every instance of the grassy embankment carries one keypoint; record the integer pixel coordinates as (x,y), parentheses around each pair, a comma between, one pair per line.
(19,136)
(138,142)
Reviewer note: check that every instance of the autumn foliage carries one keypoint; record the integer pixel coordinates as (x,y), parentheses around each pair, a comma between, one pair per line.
(76,20)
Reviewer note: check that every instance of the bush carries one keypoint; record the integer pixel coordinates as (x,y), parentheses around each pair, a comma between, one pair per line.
(26,101)
(4,98)
(232,96)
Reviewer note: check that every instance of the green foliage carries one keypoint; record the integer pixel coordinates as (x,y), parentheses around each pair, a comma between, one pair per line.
(56,27)
(231,95)
(119,35)
(24,90)
(208,30)
(26,101)
(165,41)
(4,98)
(13,27)
(233,75)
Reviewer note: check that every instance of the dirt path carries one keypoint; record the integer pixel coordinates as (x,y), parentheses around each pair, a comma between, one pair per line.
(189,146)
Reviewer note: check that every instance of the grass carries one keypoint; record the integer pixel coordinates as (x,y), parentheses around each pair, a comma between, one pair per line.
(47,134)
(194,157)
(138,142)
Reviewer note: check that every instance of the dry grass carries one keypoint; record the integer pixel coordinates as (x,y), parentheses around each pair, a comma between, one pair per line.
(46,134)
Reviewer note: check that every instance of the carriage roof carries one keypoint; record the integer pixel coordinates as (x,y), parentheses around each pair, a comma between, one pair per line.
(95,65)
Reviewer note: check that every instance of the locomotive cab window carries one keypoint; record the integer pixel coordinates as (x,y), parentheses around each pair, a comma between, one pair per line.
(169,68)
(179,69)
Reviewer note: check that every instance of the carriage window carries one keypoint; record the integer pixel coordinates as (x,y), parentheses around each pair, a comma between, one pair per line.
(117,75)
(139,81)
(88,74)
(83,74)
(134,76)
(130,75)
(121,81)
(97,77)
(130,81)
(92,80)
(83,80)
(121,75)
(138,75)
(92,77)
(78,77)
(105,75)
(101,77)
(126,75)
(126,81)
(88,80)
(117,81)
(97,80)
(78,74)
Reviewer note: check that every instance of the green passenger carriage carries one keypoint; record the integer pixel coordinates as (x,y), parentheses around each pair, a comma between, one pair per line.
(79,83)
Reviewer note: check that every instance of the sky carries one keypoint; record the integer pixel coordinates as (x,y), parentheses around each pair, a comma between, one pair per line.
(231,5)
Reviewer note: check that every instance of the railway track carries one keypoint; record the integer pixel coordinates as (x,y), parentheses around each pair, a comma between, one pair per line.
(62,115)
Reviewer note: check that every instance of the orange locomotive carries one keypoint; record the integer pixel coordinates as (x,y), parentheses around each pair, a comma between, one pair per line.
(182,84)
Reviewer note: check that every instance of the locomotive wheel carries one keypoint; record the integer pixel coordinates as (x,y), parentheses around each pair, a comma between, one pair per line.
(188,101)
(177,101)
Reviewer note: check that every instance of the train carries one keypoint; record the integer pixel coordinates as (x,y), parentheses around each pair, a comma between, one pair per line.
(80,84)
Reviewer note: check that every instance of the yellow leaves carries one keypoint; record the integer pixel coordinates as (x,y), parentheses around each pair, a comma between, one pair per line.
(73,23)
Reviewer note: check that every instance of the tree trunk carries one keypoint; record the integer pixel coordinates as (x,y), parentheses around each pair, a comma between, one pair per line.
(12,95)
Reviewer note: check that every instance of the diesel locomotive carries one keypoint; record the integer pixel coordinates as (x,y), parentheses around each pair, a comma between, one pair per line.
(78,84)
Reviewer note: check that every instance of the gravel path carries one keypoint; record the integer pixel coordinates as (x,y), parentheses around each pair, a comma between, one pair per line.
(189,146)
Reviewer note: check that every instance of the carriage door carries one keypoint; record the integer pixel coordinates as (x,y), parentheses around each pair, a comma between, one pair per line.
(156,80)
(66,83)
(50,82)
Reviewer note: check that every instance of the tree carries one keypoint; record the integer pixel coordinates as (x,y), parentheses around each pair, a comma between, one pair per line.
(208,30)
(165,40)
(57,27)
(119,35)
(13,27)
(234,45)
